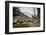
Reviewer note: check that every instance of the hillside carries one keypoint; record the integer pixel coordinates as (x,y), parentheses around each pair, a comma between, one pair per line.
(21,20)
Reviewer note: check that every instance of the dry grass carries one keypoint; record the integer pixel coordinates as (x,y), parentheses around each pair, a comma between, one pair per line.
(26,22)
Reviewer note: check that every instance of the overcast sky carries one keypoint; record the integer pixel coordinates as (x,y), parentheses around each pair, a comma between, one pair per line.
(28,11)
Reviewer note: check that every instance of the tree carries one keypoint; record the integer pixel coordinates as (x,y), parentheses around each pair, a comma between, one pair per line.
(16,11)
(38,12)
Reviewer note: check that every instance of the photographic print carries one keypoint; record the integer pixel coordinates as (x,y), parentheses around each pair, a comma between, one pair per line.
(24,17)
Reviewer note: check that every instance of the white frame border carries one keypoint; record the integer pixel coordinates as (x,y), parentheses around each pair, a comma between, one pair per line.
(11,29)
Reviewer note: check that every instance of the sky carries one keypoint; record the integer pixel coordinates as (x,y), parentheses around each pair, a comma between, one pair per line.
(28,11)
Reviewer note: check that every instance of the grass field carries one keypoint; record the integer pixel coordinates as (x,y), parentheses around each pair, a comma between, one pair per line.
(23,21)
